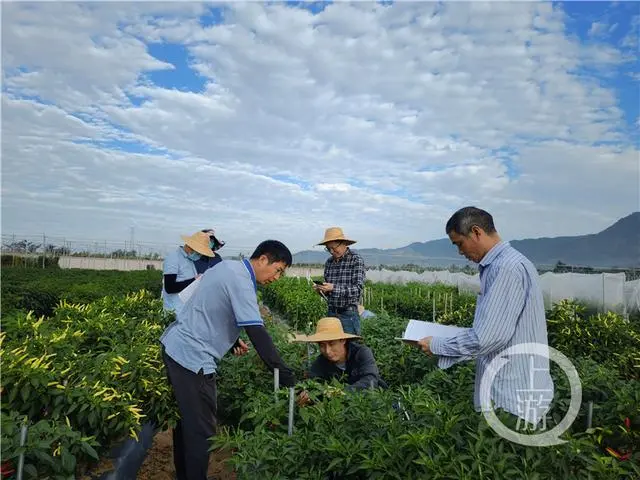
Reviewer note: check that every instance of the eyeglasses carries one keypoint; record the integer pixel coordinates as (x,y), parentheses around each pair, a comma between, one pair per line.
(332,249)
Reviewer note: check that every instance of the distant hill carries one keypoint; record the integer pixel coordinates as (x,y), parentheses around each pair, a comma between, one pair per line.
(616,246)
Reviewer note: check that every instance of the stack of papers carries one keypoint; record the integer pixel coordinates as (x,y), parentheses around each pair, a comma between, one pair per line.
(417,330)
(185,294)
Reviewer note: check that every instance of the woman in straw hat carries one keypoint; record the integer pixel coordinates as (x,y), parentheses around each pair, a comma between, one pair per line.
(341,357)
(179,269)
(344,275)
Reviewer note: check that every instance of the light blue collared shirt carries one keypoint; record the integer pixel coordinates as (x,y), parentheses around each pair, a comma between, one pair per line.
(209,323)
(176,263)
(509,311)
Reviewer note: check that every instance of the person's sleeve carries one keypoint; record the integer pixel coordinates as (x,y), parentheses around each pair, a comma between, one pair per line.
(356,283)
(496,319)
(367,370)
(266,350)
(171,264)
(170,270)
(244,303)
(173,286)
(318,369)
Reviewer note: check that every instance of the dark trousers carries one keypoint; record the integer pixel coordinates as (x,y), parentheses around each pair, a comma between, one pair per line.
(196,395)
(349,317)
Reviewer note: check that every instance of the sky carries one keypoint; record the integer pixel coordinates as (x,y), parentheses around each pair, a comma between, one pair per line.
(278,120)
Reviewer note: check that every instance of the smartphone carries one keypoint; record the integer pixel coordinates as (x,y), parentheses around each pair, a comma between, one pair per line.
(318,282)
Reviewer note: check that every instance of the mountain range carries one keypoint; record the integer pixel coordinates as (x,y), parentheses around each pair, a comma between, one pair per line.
(615,246)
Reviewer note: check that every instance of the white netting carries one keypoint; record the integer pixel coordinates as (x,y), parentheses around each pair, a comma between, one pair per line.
(632,295)
(606,291)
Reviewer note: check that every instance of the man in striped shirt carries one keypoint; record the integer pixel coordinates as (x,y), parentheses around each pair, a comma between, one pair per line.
(509,311)
(344,275)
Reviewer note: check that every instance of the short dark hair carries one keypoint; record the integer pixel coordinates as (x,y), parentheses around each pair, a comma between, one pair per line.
(275,251)
(466,218)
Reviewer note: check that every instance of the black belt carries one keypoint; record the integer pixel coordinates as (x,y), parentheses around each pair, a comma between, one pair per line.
(349,308)
(208,376)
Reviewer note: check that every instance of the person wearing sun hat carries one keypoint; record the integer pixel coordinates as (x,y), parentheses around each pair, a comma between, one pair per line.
(340,356)
(179,269)
(204,263)
(344,276)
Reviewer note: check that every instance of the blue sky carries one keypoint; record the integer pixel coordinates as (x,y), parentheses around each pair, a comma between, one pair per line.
(282,119)
(617,21)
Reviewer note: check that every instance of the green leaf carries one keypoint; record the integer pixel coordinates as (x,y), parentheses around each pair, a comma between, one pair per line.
(89,450)
(68,461)
(30,470)
(24,392)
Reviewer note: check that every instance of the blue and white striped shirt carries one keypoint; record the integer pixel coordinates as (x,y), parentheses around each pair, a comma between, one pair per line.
(509,311)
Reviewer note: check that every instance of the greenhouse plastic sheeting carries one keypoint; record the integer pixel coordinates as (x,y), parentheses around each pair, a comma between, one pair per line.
(465,282)
(606,291)
(632,295)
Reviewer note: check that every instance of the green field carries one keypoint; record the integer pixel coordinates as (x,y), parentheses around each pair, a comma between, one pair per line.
(89,374)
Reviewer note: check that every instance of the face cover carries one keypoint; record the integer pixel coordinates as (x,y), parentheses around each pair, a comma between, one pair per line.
(193,256)
(215,244)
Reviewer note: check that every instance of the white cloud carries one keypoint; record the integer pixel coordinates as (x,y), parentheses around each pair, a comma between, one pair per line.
(383,119)
(598,29)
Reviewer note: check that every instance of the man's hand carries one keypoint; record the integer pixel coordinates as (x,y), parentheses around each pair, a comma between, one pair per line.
(303,398)
(241,349)
(325,287)
(425,345)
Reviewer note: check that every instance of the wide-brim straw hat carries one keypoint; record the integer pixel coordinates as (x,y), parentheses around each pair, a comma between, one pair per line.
(199,242)
(335,234)
(327,329)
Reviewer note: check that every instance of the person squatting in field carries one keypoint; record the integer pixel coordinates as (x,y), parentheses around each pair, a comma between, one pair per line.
(340,357)
(205,329)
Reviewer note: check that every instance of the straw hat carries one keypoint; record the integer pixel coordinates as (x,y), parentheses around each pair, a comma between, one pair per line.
(327,329)
(199,242)
(335,234)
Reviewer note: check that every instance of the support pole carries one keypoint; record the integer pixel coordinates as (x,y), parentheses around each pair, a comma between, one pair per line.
(291,400)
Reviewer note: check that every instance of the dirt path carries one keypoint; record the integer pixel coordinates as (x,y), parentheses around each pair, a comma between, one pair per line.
(159,462)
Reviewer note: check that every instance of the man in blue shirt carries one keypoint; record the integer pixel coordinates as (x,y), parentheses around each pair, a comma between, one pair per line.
(509,311)
(206,328)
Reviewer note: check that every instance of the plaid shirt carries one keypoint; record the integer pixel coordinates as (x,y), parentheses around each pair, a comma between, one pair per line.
(347,275)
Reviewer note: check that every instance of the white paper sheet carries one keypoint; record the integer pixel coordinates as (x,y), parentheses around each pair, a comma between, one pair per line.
(187,292)
(417,329)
